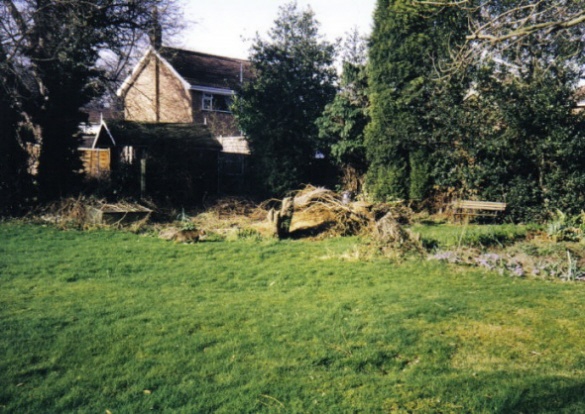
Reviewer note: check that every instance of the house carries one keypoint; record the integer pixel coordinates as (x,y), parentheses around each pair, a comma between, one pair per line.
(177,98)
(171,85)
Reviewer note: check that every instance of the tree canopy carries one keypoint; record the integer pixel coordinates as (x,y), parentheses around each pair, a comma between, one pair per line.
(277,110)
(53,49)
(341,127)
(500,125)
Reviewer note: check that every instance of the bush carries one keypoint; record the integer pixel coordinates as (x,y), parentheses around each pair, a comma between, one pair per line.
(524,200)
(563,227)
(420,178)
(388,182)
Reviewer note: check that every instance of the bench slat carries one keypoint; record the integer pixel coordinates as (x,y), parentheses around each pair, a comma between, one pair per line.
(480,205)
(474,208)
(482,208)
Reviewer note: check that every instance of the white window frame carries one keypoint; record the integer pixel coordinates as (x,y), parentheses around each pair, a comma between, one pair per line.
(208,96)
(207,101)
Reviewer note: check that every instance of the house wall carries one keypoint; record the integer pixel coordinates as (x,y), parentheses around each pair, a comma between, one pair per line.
(174,101)
(221,124)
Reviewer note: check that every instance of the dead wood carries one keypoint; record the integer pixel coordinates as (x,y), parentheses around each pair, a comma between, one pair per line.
(281,220)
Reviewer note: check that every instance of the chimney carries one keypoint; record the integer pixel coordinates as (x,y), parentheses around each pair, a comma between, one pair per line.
(155,32)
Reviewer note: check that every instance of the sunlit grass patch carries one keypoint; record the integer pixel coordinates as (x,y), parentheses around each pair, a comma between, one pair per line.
(489,347)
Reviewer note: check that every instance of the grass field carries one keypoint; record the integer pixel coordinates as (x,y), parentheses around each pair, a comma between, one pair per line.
(105,321)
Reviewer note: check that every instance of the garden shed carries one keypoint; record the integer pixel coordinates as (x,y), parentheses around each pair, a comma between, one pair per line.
(177,162)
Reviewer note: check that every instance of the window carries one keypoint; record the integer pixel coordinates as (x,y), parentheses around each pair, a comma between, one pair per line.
(215,102)
(207,104)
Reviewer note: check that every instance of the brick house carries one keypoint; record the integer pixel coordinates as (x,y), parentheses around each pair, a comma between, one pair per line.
(177,92)
(171,85)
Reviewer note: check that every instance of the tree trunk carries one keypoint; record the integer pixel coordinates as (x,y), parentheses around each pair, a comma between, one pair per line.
(282,219)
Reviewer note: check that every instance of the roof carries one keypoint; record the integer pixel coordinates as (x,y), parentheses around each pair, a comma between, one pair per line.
(126,133)
(96,114)
(202,69)
(195,70)
(87,141)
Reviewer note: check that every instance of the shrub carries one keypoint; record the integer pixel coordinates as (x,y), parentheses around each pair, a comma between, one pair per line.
(420,178)
(388,182)
(563,227)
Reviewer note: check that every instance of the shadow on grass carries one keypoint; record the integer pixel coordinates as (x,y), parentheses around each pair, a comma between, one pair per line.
(311,231)
(550,395)
(511,392)
(432,223)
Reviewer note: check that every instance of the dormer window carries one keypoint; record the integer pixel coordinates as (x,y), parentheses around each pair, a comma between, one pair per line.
(216,102)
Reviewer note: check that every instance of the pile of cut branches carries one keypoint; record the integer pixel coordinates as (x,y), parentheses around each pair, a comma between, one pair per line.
(317,211)
(324,209)
(76,212)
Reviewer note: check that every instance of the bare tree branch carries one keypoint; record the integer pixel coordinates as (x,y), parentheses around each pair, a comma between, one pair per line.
(505,34)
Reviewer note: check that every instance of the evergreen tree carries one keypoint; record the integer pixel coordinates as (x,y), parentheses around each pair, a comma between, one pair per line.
(342,125)
(293,82)
(409,40)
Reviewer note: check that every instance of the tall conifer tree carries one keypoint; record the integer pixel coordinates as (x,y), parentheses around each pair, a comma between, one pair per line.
(409,39)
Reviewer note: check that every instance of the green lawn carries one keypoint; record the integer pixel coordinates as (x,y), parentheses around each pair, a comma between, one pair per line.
(106,321)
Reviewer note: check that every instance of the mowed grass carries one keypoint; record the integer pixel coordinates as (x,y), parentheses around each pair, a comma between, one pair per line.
(104,321)
(448,236)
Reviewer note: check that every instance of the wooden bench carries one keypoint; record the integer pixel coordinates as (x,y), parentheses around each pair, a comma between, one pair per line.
(477,208)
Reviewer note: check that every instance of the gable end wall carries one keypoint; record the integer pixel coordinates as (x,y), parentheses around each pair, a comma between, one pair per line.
(174,103)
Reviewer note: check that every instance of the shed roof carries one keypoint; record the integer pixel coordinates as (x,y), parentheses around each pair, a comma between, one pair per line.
(189,136)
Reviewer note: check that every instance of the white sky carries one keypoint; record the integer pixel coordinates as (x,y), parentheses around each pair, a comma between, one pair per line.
(225,27)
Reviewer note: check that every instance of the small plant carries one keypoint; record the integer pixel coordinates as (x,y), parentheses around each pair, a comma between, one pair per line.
(572,270)
(446,256)
(249,234)
(490,261)
(566,228)
(186,221)
(188,226)
(515,268)
(182,216)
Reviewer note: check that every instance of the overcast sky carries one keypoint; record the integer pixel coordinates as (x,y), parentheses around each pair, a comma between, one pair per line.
(222,26)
